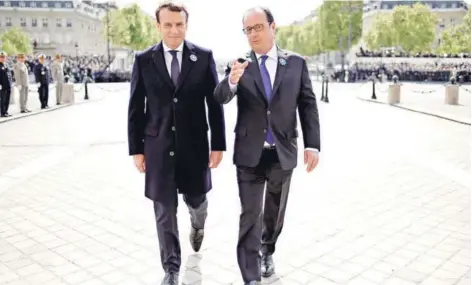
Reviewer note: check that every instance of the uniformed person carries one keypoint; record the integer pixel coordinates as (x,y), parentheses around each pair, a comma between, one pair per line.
(57,72)
(41,74)
(5,85)
(21,81)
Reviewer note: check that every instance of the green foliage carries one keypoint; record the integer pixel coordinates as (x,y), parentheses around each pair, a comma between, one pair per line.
(130,27)
(413,28)
(456,39)
(324,34)
(382,35)
(334,18)
(15,40)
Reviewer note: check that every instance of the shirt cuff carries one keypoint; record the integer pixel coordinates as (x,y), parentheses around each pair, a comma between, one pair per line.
(232,87)
(312,149)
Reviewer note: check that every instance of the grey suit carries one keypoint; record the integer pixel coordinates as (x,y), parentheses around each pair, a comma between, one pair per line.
(57,72)
(258,164)
(21,79)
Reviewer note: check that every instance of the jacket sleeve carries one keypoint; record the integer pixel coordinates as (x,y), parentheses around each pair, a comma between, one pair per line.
(308,111)
(216,115)
(136,111)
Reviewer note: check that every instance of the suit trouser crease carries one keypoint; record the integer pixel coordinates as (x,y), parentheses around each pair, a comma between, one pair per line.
(4,101)
(43,94)
(23,97)
(59,91)
(276,197)
(252,225)
(167,227)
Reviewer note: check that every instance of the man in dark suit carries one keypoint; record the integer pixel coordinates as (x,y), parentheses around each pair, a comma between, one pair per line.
(270,84)
(41,74)
(167,130)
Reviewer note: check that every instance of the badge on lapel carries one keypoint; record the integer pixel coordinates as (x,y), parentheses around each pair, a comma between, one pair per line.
(282,61)
(193,57)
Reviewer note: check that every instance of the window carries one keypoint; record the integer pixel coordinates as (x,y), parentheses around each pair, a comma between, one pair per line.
(8,21)
(69,23)
(58,22)
(34,22)
(45,22)
(23,22)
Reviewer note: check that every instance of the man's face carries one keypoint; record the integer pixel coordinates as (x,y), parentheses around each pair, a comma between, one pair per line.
(3,58)
(172,26)
(21,58)
(260,33)
(41,60)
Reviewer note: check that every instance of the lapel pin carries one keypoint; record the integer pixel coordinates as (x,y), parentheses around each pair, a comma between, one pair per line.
(193,57)
(282,61)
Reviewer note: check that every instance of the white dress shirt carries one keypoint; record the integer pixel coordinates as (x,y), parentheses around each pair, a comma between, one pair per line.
(271,65)
(168,56)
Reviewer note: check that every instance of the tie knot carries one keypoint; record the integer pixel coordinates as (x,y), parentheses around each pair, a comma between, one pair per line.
(174,53)
(264,58)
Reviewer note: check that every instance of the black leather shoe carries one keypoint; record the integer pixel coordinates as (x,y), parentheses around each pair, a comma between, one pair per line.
(267,265)
(196,238)
(252,283)
(171,278)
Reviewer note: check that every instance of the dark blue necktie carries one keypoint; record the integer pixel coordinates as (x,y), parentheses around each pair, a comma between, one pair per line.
(268,92)
(174,67)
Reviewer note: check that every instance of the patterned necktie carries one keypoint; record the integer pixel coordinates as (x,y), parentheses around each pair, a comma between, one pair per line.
(174,67)
(268,92)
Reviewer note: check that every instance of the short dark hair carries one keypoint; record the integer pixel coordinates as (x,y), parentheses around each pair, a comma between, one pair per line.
(267,12)
(173,7)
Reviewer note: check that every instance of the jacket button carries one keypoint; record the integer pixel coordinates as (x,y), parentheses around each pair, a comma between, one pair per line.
(171,153)
(265,131)
(268,112)
(173,128)
(176,100)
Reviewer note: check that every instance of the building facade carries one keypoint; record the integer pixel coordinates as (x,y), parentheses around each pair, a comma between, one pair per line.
(67,27)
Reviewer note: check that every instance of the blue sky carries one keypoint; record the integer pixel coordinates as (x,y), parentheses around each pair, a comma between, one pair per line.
(216,24)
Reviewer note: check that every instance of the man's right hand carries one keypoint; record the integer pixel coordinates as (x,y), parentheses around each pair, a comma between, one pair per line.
(237,70)
(139,162)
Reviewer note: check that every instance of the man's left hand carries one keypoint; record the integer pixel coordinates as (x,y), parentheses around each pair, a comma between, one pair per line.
(311,160)
(215,159)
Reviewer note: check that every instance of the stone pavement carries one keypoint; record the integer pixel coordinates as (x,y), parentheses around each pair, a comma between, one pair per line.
(389,203)
(35,106)
(425,98)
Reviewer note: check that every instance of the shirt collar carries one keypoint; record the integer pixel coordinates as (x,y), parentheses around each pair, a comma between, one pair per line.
(180,48)
(271,54)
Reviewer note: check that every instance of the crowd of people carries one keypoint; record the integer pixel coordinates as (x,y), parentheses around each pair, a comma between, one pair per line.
(76,67)
(393,53)
(418,72)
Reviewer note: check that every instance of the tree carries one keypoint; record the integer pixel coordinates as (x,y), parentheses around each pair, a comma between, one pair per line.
(382,33)
(284,36)
(413,28)
(335,18)
(15,40)
(456,39)
(130,27)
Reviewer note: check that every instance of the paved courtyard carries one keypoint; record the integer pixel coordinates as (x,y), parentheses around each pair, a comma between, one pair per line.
(389,203)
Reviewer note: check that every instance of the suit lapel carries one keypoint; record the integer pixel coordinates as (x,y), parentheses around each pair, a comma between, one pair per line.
(253,68)
(160,63)
(282,61)
(189,58)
